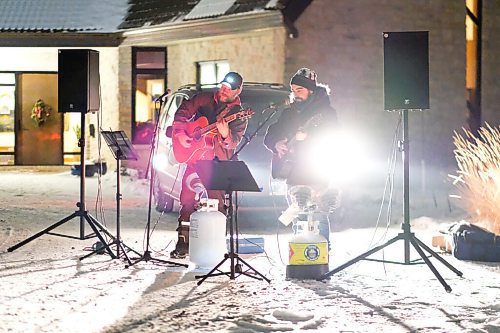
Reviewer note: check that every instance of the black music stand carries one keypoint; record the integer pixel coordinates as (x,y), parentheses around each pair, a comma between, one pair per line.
(122,149)
(228,176)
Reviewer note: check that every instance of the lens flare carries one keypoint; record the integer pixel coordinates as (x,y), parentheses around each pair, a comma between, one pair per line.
(338,157)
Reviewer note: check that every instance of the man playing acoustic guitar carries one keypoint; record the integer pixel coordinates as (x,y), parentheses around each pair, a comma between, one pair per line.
(220,142)
(300,126)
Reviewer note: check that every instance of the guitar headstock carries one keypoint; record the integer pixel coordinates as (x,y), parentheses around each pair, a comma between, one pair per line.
(246,113)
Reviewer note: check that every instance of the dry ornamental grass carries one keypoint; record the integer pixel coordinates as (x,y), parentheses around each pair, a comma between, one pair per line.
(478,175)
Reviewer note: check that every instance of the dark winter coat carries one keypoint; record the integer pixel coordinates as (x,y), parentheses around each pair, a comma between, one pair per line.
(314,116)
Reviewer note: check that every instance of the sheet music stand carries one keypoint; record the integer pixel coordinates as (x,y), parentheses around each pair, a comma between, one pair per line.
(122,149)
(228,176)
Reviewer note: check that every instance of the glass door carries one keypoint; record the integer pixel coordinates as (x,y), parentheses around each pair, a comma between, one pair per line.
(39,131)
(7,119)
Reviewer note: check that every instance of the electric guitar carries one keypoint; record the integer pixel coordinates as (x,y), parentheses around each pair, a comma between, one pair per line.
(281,167)
(202,134)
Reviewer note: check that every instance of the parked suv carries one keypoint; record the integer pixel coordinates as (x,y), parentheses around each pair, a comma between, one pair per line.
(168,173)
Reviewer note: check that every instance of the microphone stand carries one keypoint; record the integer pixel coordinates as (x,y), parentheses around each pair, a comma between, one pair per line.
(151,172)
(246,140)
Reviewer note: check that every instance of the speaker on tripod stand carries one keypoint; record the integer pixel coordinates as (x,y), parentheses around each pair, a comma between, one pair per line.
(78,91)
(406,87)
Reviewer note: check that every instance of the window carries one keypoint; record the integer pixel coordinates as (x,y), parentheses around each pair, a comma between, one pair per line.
(211,72)
(149,75)
(7,118)
(473,21)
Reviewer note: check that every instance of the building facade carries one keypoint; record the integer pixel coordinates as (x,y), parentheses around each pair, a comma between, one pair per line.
(341,40)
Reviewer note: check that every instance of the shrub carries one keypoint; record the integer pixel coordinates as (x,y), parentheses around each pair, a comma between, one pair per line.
(478,175)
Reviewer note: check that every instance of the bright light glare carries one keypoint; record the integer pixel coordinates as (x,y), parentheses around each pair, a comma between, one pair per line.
(338,157)
(160,161)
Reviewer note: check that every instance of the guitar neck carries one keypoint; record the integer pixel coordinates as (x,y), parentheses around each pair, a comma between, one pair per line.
(212,127)
(312,122)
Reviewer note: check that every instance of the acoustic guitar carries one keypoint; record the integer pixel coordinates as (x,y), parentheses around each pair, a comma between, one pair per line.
(281,167)
(202,134)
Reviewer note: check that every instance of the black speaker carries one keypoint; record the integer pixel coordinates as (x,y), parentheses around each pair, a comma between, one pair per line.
(78,80)
(406,70)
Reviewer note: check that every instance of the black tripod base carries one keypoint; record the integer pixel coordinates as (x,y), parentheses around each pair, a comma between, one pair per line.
(236,268)
(92,222)
(419,246)
(147,257)
(121,250)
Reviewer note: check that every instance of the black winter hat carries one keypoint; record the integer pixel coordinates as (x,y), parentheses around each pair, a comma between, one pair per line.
(305,78)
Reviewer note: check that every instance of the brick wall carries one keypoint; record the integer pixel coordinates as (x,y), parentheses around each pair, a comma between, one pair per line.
(257,56)
(342,40)
(491,62)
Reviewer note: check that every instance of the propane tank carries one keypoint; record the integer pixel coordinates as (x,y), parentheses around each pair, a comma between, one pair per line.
(308,250)
(207,234)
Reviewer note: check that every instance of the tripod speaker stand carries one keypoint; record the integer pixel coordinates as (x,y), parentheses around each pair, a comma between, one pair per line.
(228,176)
(82,213)
(407,236)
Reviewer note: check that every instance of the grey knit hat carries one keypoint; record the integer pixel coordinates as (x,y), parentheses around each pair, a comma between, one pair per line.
(306,78)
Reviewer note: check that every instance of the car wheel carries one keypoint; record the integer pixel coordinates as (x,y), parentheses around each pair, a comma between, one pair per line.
(163,202)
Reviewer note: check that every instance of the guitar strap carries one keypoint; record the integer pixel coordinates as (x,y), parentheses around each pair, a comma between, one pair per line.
(302,118)
(221,110)
(222,114)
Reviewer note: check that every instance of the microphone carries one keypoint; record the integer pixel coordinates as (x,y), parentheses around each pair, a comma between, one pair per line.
(285,102)
(162,97)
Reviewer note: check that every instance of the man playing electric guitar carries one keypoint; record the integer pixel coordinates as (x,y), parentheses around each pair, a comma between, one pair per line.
(300,126)
(215,107)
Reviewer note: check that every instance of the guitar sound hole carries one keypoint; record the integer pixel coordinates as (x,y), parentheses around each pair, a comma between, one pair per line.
(197,134)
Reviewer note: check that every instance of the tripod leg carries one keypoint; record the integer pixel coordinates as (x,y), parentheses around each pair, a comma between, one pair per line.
(438,257)
(121,246)
(360,257)
(44,231)
(129,249)
(431,266)
(254,270)
(92,253)
(100,226)
(98,234)
(204,277)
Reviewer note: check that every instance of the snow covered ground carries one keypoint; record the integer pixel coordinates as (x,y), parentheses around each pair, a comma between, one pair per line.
(46,288)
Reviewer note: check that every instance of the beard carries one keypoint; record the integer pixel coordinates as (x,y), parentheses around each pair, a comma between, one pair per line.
(299,101)
(226,99)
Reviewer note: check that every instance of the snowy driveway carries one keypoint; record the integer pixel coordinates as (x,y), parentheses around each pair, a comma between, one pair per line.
(45,288)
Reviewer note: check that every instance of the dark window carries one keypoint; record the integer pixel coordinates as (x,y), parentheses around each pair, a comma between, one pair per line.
(149,79)
(211,72)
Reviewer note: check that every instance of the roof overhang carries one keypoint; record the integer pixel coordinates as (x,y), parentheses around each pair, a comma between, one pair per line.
(59,39)
(203,28)
(155,35)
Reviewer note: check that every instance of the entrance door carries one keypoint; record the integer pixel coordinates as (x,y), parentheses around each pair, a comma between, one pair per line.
(38,142)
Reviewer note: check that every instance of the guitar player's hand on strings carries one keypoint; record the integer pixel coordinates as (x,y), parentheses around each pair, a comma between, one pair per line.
(222,127)
(300,135)
(184,139)
(281,147)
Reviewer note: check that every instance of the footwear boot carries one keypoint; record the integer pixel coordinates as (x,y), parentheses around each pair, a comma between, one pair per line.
(182,247)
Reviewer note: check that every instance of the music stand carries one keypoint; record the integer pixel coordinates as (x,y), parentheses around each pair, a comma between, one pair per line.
(122,149)
(228,176)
